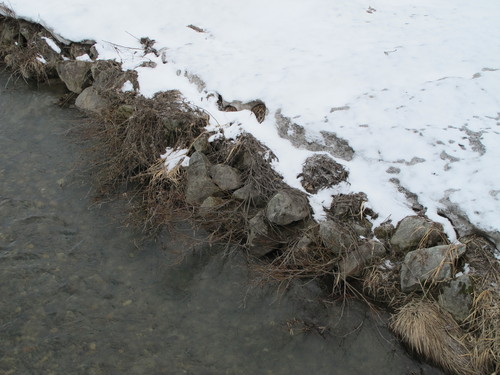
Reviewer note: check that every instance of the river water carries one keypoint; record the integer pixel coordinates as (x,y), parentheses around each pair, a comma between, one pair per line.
(80,294)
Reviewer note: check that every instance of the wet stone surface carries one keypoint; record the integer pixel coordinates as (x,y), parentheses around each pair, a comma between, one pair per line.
(81,295)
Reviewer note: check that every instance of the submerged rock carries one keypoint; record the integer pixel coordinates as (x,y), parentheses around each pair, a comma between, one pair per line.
(428,265)
(286,207)
(75,74)
(415,232)
(199,185)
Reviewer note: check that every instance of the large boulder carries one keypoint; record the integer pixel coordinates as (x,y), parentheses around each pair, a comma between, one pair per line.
(337,237)
(430,265)
(199,185)
(226,177)
(90,100)
(286,207)
(415,232)
(456,297)
(75,74)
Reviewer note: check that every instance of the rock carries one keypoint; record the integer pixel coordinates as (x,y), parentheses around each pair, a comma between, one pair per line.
(79,49)
(286,207)
(353,264)
(124,112)
(8,34)
(456,298)
(199,185)
(75,74)
(209,205)
(226,177)
(321,172)
(415,232)
(249,193)
(261,239)
(201,143)
(90,100)
(108,75)
(384,231)
(336,237)
(432,264)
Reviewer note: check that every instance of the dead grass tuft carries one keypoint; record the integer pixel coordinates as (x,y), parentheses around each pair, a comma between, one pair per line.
(435,335)
(134,131)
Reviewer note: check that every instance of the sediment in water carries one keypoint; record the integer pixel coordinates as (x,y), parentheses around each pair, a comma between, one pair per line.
(230,188)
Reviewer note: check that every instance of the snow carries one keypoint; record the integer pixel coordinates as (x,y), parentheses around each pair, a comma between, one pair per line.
(174,158)
(410,85)
(52,44)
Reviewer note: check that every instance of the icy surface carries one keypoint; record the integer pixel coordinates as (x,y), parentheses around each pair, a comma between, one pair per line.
(413,86)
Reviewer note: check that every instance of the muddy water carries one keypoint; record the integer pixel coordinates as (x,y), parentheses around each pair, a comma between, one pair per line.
(79,295)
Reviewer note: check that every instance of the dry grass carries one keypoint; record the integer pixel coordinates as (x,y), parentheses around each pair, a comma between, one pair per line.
(24,56)
(434,334)
(133,139)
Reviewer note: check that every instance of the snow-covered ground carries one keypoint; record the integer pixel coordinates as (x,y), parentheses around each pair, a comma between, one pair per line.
(410,85)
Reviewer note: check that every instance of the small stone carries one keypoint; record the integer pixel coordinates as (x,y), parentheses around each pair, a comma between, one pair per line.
(199,185)
(384,231)
(226,177)
(336,237)
(286,207)
(90,100)
(260,239)
(248,193)
(355,261)
(201,143)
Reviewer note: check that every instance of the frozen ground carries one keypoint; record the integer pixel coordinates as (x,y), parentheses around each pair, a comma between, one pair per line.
(413,86)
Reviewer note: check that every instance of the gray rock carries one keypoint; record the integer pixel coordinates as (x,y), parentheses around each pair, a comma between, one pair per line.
(226,177)
(415,232)
(456,298)
(428,265)
(209,205)
(108,75)
(75,74)
(90,100)
(201,143)
(286,207)
(261,239)
(336,237)
(384,231)
(354,262)
(199,185)
(249,193)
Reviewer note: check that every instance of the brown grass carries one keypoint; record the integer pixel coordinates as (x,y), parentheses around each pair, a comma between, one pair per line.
(434,334)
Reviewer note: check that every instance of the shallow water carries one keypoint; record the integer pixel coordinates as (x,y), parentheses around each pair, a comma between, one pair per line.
(80,294)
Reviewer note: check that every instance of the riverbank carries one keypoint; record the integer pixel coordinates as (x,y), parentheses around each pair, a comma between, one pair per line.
(229,187)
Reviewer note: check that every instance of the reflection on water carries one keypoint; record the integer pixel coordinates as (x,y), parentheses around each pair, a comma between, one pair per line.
(78,296)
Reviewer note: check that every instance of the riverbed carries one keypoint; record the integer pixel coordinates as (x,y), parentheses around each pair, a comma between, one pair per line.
(82,293)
